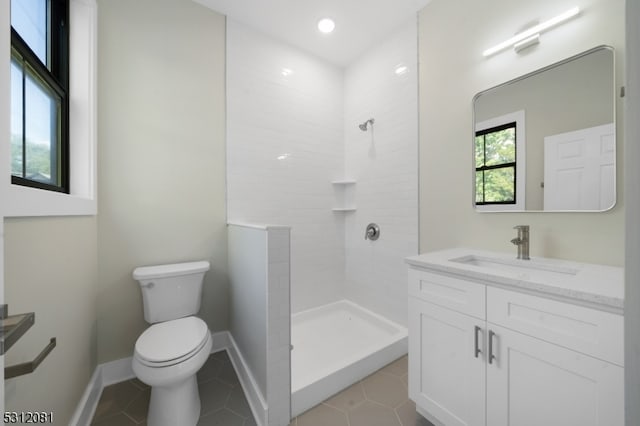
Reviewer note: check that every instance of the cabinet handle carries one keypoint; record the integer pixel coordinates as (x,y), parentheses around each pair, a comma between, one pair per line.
(491,355)
(475,341)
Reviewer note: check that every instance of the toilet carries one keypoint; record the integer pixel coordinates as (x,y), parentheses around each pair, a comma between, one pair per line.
(170,352)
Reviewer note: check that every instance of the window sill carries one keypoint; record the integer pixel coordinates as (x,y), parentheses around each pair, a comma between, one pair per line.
(25,201)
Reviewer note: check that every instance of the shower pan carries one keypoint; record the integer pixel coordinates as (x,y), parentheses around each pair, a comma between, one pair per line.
(334,346)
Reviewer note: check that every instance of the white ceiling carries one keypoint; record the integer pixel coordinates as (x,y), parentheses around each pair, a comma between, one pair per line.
(359,23)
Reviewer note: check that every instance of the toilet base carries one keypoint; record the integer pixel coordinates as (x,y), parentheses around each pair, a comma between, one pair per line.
(178,404)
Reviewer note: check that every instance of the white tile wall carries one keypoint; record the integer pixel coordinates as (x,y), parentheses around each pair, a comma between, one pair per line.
(384,162)
(284,147)
(248,295)
(260,320)
(309,119)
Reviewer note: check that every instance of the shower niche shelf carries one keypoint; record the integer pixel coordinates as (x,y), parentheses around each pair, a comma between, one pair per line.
(344,195)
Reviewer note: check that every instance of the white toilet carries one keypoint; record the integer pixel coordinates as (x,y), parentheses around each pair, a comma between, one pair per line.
(171,351)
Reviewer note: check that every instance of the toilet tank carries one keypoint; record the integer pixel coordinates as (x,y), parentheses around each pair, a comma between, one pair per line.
(171,291)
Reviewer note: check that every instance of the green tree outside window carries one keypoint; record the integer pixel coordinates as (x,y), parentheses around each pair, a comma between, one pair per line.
(496,165)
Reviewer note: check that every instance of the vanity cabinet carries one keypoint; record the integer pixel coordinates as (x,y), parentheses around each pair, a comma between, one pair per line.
(446,379)
(485,355)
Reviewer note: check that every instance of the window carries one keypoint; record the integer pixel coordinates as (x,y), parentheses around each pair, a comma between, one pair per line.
(496,165)
(39,94)
(500,166)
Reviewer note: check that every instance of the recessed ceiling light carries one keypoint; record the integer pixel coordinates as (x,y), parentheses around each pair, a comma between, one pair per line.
(326,25)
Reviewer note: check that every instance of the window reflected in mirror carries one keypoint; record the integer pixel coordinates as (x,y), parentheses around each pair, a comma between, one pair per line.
(564,157)
(496,165)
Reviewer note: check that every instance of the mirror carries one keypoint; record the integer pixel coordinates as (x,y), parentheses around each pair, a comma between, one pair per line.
(546,141)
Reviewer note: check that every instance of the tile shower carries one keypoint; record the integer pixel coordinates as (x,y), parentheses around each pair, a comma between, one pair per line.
(297,158)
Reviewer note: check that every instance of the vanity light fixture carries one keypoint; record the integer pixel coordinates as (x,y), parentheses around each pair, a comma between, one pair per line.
(326,25)
(530,36)
(527,42)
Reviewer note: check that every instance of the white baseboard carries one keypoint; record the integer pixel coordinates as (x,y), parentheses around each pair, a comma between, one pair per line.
(120,370)
(117,371)
(104,375)
(89,401)
(220,341)
(428,416)
(256,400)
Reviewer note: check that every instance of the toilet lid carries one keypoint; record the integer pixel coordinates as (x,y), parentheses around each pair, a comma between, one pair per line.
(171,340)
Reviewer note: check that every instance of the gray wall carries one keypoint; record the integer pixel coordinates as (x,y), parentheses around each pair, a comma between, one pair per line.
(632,289)
(51,269)
(161,102)
(452,73)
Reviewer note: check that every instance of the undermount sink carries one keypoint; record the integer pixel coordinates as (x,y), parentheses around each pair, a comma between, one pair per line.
(521,267)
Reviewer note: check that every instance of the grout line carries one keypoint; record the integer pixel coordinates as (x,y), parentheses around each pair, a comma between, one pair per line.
(105,417)
(364,391)
(380,404)
(226,402)
(398,418)
(131,418)
(235,412)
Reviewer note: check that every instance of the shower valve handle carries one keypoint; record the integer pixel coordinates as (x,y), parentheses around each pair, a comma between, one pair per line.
(372,232)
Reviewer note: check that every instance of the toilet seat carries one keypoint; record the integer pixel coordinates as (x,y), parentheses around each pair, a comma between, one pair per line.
(171,342)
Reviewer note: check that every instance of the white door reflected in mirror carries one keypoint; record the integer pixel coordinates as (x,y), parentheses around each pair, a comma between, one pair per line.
(579,169)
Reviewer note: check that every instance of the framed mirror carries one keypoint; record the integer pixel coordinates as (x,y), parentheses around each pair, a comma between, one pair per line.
(546,141)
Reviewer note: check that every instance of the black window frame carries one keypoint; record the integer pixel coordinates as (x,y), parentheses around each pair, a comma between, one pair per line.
(56,78)
(513,164)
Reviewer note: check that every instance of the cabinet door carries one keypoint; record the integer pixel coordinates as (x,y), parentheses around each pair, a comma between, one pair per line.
(532,382)
(446,378)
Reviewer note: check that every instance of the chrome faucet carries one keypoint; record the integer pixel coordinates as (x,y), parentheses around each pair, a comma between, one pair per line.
(522,241)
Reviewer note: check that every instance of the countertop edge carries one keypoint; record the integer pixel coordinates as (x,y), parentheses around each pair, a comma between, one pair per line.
(591,300)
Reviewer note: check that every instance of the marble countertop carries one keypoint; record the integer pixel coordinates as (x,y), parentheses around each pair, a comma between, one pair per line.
(596,286)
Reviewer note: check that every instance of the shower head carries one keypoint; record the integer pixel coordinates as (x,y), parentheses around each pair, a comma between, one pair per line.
(364,125)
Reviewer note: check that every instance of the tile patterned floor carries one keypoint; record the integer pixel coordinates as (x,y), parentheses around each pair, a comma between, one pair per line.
(378,400)
(222,401)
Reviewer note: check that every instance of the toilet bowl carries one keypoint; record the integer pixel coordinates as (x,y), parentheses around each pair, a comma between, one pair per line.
(170,352)
(167,357)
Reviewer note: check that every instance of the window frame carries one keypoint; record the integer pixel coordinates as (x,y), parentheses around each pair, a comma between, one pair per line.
(55,79)
(517,117)
(24,201)
(506,165)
